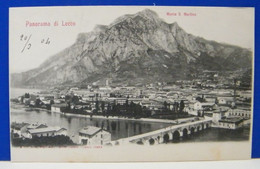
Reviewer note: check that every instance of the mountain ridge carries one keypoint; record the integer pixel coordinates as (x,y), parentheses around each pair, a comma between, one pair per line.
(134,48)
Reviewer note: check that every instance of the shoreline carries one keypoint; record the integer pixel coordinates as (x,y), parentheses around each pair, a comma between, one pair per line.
(123,118)
(177,121)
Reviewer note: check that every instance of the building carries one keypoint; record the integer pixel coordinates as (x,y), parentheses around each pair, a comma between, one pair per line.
(59,108)
(225,100)
(246,113)
(18,128)
(204,105)
(120,101)
(91,135)
(217,115)
(47,132)
(46,97)
(231,123)
(36,126)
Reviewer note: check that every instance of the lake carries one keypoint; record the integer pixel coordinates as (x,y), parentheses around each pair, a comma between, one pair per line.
(117,127)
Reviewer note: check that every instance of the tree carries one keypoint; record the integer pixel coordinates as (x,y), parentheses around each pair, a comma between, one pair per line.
(199,114)
(165,105)
(181,106)
(102,106)
(131,107)
(75,99)
(108,107)
(26,95)
(177,106)
(68,107)
(97,105)
(22,98)
(51,102)
(216,100)
(37,102)
(67,98)
(200,99)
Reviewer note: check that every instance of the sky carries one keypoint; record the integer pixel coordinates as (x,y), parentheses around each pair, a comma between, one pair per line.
(31,46)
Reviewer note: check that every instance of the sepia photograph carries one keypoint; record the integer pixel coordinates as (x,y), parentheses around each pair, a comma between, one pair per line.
(131,83)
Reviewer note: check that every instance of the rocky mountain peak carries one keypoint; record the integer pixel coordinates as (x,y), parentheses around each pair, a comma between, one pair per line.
(136,48)
(149,14)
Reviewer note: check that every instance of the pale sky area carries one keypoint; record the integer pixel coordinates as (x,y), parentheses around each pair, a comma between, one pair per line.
(229,25)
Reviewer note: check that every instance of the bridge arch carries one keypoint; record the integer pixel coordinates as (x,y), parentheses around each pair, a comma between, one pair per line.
(151,141)
(140,142)
(176,135)
(166,138)
(207,125)
(198,128)
(192,130)
(184,133)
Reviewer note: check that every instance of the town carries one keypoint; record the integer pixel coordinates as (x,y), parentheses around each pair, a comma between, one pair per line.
(208,101)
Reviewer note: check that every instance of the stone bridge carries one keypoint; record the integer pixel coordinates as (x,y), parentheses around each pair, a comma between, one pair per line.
(164,135)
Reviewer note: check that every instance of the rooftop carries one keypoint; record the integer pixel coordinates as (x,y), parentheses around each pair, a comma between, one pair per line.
(90,130)
(207,104)
(59,105)
(36,125)
(232,120)
(46,129)
(18,126)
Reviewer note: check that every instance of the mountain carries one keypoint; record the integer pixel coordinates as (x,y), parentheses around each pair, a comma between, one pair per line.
(138,48)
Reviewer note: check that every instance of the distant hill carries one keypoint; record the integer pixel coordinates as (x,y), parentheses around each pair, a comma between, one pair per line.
(138,48)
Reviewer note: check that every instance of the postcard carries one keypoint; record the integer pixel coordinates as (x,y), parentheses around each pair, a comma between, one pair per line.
(131,83)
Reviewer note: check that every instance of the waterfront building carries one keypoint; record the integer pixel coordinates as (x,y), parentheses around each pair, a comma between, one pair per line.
(217,115)
(18,128)
(239,112)
(91,135)
(36,126)
(47,132)
(231,123)
(59,108)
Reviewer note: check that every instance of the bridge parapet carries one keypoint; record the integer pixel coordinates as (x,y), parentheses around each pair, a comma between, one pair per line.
(173,132)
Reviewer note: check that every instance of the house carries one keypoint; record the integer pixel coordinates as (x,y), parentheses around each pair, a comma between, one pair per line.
(231,123)
(58,108)
(217,115)
(246,113)
(46,97)
(225,100)
(47,132)
(120,101)
(36,126)
(135,100)
(18,128)
(91,135)
(26,101)
(204,105)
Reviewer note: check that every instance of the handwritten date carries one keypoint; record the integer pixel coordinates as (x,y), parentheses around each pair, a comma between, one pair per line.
(26,39)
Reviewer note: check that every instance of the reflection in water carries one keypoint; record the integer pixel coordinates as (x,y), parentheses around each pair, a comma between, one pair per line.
(134,127)
(69,120)
(118,124)
(108,126)
(117,128)
(140,128)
